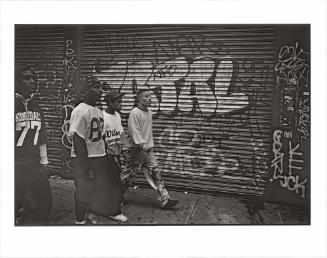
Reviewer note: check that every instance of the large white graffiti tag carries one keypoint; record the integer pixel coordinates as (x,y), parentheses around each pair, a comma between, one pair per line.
(180,84)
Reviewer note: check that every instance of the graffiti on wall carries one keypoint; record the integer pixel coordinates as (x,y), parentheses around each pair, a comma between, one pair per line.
(178,85)
(191,78)
(70,67)
(292,71)
(292,66)
(304,118)
(69,94)
(288,178)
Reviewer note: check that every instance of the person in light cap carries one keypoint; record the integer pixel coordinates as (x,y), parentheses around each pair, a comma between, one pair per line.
(33,197)
(115,141)
(140,155)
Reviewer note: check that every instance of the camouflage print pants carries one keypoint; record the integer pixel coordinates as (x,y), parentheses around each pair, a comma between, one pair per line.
(140,161)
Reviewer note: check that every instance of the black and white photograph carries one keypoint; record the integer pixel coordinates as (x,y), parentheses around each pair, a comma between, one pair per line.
(182,129)
(163,124)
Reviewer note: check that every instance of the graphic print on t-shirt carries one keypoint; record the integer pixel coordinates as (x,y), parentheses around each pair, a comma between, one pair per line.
(28,126)
(96,129)
(114,133)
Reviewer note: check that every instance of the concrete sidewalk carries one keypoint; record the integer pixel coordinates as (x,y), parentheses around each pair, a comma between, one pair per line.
(193,209)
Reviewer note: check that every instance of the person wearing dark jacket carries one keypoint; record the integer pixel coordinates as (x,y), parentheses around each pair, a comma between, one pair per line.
(33,197)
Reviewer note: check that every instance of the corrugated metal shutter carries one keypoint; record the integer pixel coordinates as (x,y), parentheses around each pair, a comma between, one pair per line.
(211,90)
(42,47)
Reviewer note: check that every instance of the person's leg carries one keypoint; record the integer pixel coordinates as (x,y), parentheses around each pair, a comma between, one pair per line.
(84,186)
(33,198)
(108,190)
(38,201)
(153,176)
(134,162)
(22,181)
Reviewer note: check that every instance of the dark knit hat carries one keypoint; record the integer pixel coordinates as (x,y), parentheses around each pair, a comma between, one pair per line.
(89,81)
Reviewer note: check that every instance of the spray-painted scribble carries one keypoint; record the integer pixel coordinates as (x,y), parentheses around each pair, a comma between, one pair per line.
(69,94)
(194,152)
(65,140)
(292,160)
(277,162)
(70,67)
(67,166)
(133,49)
(287,179)
(292,66)
(304,119)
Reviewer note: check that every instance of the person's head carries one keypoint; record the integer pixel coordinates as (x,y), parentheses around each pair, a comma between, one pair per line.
(25,81)
(143,98)
(114,100)
(92,89)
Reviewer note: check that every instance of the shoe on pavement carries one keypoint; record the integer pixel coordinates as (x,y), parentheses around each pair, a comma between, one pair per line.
(170,204)
(119,218)
(91,218)
(83,222)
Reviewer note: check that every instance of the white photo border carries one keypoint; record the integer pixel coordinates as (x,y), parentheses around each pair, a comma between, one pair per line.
(166,241)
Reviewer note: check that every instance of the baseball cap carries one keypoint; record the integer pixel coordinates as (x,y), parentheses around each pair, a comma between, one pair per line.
(113,94)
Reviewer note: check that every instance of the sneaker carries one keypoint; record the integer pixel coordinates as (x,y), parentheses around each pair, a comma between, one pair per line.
(119,218)
(91,218)
(83,222)
(170,204)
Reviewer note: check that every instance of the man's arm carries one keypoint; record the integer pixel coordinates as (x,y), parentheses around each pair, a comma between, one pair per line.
(80,147)
(81,152)
(44,160)
(42,140)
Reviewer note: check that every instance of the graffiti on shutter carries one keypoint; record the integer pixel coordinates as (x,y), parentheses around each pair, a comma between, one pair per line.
(211,97)
(289,140)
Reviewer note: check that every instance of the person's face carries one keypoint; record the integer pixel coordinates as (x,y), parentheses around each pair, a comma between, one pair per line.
(26,83)
(115,104)
(94,93)
(144,99)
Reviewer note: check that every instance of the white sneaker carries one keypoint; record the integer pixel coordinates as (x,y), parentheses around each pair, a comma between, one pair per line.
(80,222)
(119,218)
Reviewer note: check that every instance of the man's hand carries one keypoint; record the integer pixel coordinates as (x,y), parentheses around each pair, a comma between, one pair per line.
(147,148)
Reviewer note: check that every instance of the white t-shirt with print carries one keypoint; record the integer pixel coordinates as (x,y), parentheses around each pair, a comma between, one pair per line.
(87,122)
(114,135)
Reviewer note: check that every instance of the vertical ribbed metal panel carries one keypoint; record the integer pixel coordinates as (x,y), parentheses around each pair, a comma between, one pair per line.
(211,90)
(42,48)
